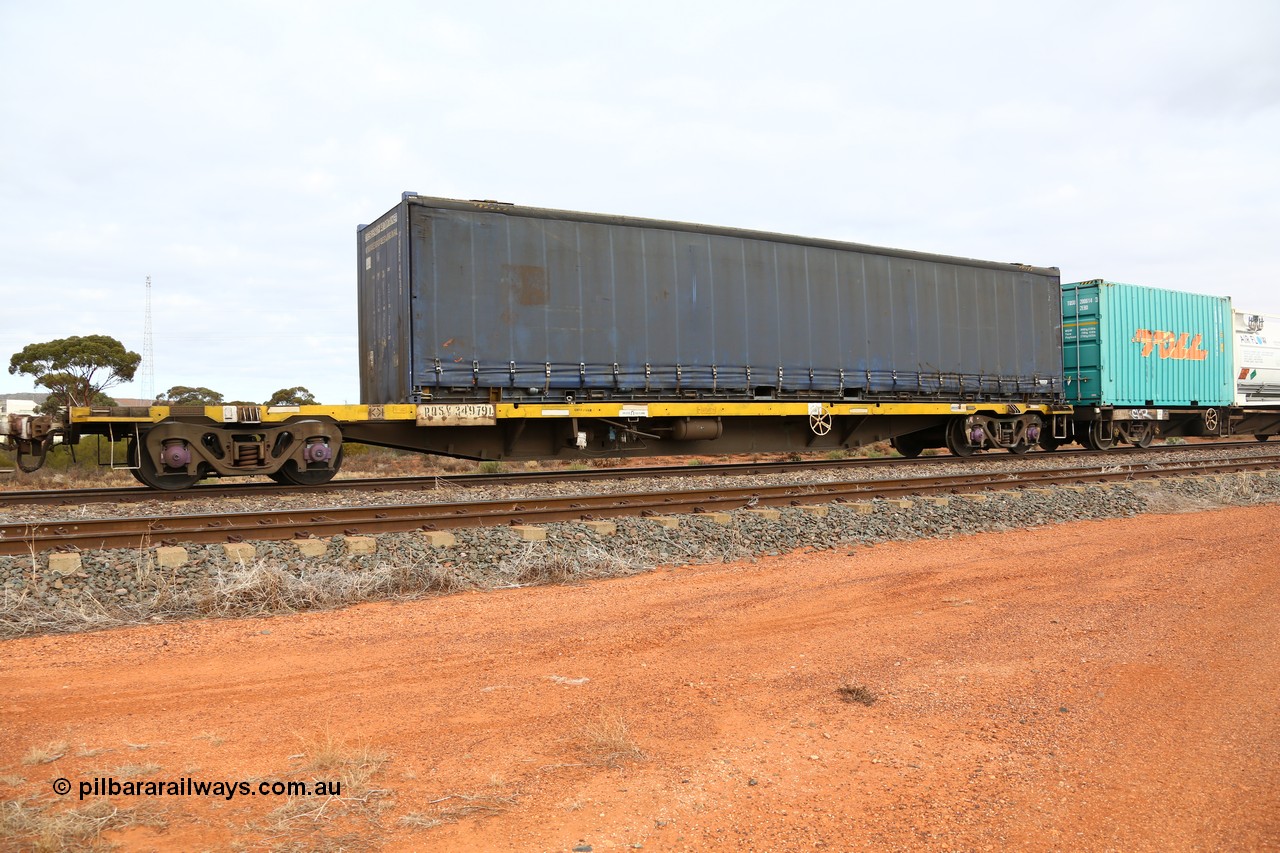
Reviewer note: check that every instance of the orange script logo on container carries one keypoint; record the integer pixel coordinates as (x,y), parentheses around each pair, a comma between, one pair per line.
(1170,344)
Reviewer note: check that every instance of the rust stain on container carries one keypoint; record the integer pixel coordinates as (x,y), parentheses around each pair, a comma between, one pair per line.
(528,283)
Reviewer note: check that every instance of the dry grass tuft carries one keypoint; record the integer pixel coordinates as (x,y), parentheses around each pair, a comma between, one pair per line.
(319,843)
(1197,494)
(50,752)
(857,693)
(538,565)
(258,589)
(607,741)
(133,771)
(1170,501)
(22,613)
(31,826)
(335,759)
(452,808)
(310,823)
(418,820)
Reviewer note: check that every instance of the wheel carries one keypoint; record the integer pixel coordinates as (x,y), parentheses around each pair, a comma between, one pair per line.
(1019,449)
(1262,437)
(291,475)
(1048,442)
(1144,438)
(146,473)
(1094,439)
(958,440)
(907,445)
(1211,422)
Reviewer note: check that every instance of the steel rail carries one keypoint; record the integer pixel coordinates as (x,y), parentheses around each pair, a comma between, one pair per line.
(139,532)
(138,494)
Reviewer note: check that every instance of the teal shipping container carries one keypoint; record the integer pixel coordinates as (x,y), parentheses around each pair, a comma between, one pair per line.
(1125,345)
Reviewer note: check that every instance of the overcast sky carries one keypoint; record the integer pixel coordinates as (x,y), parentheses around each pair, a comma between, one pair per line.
(229,150)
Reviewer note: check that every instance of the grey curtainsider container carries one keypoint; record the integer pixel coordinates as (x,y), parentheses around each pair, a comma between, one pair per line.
(464,300)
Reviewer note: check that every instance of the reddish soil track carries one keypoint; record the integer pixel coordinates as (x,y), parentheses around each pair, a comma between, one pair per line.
(1098,685)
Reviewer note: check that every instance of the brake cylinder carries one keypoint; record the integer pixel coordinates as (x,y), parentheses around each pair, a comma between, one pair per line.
(697,429)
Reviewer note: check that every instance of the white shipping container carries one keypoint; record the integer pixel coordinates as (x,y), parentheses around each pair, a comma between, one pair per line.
(1257,358)
(18,407)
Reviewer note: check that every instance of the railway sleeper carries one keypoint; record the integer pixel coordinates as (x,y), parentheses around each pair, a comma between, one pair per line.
(174,455)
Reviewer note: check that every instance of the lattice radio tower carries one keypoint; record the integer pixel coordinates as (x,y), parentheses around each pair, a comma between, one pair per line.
(147,371)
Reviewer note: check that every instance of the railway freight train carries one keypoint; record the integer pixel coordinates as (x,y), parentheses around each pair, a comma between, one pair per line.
(494,331)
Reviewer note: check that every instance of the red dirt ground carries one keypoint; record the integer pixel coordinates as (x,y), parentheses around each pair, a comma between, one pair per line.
(1098,685)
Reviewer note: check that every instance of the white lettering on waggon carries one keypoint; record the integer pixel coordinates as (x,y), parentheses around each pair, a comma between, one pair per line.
(456,414)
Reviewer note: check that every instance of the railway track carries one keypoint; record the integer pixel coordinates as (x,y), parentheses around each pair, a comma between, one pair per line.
(136,532)
(137,494)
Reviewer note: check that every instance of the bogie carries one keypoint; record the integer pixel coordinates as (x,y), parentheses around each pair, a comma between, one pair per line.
(174,455)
